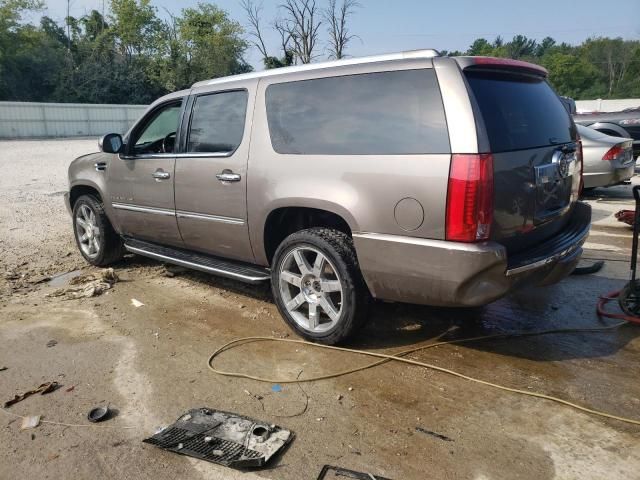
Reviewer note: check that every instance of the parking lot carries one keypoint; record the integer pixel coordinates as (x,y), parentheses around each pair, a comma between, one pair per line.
(150,363)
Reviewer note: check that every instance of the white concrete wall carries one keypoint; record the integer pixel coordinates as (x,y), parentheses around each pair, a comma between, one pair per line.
(30,119)
(600,105)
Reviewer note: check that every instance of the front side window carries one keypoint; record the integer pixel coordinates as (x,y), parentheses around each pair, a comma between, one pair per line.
(384,113)
(217,122)
(159,134)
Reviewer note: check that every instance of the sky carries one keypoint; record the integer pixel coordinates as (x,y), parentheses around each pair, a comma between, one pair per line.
(392,26)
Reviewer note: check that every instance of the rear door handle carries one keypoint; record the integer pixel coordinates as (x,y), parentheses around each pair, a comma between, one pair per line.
(228,176)
(161,175)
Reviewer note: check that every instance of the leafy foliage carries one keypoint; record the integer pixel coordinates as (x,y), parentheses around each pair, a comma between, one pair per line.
(132,56)
(598,68)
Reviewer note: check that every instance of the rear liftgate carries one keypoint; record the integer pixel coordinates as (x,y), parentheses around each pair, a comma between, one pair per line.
(223,438)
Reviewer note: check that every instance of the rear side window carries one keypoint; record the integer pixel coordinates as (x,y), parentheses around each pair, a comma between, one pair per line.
(519,111)
(217,122)
(387,113)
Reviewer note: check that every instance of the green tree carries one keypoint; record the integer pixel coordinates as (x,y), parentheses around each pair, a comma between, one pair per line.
(214,46)
(481,47)
(571,76)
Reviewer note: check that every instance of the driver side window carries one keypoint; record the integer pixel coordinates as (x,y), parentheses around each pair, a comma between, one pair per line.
(159,134)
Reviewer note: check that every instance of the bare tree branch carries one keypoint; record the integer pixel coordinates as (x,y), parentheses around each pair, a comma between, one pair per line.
(336,17)
(254,12)
(302,23)
(284,30)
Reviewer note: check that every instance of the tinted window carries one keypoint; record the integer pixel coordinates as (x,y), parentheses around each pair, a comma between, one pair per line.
(217,122)
(375,114)
(519,111)
(162,123)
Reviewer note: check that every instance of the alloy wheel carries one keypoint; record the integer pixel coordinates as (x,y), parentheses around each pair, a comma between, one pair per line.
(311,289)
(87,231)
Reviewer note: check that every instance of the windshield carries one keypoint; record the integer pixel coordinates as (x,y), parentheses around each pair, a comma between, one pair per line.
(519,111)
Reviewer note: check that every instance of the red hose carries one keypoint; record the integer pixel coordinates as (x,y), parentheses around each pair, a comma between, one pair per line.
(619,316)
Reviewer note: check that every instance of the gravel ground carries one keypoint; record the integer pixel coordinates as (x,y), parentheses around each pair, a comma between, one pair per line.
(149,363)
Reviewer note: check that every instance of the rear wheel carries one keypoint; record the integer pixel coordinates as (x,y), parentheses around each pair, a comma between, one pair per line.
(317,285)
(97,241)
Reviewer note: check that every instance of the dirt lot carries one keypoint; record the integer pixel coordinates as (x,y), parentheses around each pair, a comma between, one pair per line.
(149,363)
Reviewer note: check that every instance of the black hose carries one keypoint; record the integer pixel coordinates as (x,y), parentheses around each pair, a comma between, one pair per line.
(593,268)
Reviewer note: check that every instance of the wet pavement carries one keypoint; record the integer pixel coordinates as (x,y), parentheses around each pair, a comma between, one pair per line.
(149,364)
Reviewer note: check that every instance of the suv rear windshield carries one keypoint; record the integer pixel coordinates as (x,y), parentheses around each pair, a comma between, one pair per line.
(519,111)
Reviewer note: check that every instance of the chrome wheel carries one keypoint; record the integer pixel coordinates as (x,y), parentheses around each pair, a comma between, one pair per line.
(311,289)
(87,231)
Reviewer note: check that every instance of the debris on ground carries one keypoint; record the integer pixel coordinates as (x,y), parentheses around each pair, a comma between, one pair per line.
(221,437)
(173,270)
(52,343)
(136,303)
(2,369)
(70,389)
(626,216)
(276,388)
(338,472)
(434,434)
(38,279)
(30,422)
(99,414)
(88,285)
(42,389)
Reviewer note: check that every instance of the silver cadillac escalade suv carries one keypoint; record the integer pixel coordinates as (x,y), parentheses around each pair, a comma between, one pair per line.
(407,177)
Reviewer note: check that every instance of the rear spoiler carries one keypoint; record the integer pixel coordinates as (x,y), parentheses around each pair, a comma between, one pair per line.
(507,64)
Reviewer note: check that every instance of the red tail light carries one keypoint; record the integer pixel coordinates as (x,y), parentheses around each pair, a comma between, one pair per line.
(613,152)
(470,198)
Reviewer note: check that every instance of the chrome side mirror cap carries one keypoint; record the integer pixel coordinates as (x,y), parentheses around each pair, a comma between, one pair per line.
(110,143)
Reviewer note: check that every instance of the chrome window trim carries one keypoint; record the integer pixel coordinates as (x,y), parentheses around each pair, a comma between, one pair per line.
(203,154)
(177,155)
(137,208)
(212,218)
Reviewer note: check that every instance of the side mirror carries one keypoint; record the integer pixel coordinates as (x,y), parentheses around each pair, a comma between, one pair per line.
(110,143)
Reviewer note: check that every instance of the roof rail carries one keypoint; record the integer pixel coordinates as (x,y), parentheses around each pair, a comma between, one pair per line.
(389,57)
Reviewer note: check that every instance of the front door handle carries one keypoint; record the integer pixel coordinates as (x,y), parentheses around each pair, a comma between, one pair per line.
(228,176)
(161,175)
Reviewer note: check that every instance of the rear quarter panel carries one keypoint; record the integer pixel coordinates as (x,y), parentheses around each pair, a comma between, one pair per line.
(363,189)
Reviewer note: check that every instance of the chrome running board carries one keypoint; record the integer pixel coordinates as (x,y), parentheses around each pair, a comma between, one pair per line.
(244,272)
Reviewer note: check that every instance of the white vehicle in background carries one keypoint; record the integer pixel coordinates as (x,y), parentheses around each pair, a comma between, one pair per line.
(607,160)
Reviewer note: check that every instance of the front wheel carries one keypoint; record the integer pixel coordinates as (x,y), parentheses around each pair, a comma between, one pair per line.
(98,243)
(318,286)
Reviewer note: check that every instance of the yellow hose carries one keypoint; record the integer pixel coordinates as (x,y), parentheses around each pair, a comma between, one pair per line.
(398,357)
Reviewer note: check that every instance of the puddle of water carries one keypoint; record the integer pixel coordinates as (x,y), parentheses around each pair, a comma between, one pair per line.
(64,278)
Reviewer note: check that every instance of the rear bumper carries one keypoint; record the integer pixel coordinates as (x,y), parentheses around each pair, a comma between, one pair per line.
(441,273)
(610,178)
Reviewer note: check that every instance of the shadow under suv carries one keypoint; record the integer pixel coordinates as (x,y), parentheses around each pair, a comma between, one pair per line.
(406,177)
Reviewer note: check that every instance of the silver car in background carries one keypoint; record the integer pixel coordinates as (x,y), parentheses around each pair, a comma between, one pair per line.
(607,160)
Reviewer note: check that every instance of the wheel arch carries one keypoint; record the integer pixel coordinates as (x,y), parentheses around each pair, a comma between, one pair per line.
(282,221)
(88,188)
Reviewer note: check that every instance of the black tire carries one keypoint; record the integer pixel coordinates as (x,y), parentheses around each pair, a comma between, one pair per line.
(110,248)
(338,248)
